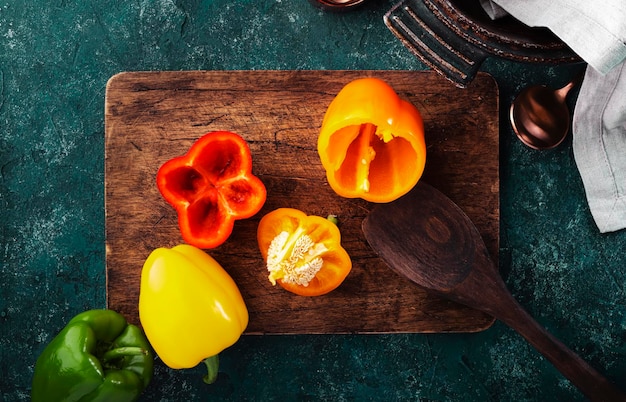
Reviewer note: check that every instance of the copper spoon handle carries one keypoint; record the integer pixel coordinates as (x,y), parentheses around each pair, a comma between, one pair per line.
(562,93)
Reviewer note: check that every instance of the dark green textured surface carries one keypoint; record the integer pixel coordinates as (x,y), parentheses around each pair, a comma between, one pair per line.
(55,60)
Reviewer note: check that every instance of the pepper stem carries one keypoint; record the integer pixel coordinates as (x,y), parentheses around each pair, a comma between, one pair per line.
(123,352)
(212,365)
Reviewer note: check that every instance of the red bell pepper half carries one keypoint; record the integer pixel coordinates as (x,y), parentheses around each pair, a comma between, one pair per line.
(210,187)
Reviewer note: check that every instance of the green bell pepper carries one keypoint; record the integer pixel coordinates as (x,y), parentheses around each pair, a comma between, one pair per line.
(98,356)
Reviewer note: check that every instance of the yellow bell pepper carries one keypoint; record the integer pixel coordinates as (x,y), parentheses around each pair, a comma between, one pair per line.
(189,307)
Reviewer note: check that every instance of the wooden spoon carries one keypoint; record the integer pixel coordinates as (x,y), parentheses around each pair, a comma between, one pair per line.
(427,238)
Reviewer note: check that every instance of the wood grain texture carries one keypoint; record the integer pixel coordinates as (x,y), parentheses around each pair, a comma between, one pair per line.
(151,117)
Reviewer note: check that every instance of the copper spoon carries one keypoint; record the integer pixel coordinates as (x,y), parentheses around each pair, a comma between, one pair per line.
(427,238)
(337,5)
(540,116)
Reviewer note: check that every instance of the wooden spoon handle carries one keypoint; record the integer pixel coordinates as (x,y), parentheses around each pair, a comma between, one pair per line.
(589,381)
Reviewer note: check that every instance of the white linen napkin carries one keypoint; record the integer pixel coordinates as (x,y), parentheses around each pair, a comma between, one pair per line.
(599,144)
(597,33)
(493,10)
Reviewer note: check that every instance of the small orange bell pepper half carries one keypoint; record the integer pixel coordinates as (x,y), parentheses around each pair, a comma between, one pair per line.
(210,187)
(303,252)
(371,142)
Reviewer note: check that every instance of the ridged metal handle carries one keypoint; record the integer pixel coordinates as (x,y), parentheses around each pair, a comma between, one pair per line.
(422,31)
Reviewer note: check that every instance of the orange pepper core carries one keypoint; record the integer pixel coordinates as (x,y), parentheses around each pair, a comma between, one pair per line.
(303,252)
(371,142)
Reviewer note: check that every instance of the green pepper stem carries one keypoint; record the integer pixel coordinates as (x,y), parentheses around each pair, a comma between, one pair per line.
(333,219)
(123,352)
(212,365)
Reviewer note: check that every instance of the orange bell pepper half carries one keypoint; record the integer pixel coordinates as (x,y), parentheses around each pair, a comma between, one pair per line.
(303,253)
(371,142)
(210,187)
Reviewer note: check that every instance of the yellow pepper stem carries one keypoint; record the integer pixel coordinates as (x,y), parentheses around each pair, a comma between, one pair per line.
(212,365)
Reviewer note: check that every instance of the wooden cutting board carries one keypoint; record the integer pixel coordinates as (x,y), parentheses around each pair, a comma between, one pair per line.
(152,117)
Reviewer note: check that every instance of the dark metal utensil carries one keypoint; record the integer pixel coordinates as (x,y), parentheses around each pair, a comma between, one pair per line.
(540,117)
(454,37)
(427,238)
